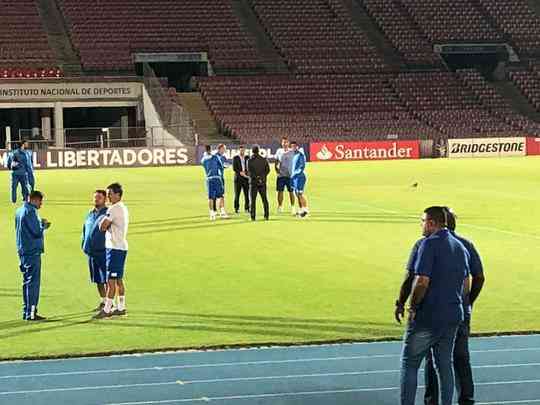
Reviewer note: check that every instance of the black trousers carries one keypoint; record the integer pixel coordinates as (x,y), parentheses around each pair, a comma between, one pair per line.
(254,190)
(462,370)
(241,184)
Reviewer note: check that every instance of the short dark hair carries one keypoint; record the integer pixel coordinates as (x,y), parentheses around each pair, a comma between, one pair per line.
(293,143)
(255,149)
(208,148)
(450,218)
(221,145)
(242,146)
(102,192)
(36,195)
(116,188)
(437,215)
(284,138)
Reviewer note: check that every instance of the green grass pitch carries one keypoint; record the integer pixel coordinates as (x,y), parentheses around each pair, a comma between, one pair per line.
(192,283)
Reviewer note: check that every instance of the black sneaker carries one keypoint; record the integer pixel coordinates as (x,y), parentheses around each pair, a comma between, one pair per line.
(117,312)
(99,307)
(37,318)
(102,315)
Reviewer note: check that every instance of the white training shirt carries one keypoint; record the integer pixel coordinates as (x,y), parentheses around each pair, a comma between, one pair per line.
(279,154)
(116,235)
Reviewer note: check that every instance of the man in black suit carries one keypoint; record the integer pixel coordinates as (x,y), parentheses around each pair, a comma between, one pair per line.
(258,169)
(241,179)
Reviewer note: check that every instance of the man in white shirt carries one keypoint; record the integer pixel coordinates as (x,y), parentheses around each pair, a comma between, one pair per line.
(115,224)
(284,157)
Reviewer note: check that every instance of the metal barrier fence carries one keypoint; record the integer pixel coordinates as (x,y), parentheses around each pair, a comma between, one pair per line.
(98,138)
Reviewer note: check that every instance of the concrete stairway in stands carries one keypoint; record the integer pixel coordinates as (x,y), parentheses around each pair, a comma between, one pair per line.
(59,41)
(518,101)
(377,37)
(204,123)
(272,61)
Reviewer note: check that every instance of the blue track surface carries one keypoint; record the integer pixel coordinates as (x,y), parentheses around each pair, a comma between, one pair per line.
(506,371)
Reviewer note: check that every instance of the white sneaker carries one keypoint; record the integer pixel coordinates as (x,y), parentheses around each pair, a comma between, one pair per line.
(224,215)
(280,210)
(213,216)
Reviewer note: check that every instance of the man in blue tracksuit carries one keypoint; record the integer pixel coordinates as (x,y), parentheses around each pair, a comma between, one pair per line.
(17,162)
(213,168)
(93,245)
(30,230)
(298,178)
(30,167)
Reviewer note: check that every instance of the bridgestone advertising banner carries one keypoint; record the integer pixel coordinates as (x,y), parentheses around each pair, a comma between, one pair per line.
(106,158)
(347,151)
(486,147)
(533,146)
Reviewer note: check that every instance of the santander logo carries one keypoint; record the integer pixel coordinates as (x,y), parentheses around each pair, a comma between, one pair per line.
(375,150)
(324,153)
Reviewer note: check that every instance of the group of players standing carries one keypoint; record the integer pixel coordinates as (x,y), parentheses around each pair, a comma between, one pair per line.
(103,239)
(250,179)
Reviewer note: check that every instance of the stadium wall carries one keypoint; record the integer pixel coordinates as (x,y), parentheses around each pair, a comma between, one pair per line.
(159,156)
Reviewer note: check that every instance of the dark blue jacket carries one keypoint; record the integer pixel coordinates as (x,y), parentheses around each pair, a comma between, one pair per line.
(29,231)
(93,240)
(18,162)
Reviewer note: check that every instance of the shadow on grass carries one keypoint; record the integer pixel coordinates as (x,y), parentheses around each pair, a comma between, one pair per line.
(276,327)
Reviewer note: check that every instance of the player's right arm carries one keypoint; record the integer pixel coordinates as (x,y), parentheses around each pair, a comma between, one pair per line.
(107,220)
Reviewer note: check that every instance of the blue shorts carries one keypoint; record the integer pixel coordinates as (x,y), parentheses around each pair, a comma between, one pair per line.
(215,188)
(116,263)
(98,269)
(283,182)
(299,183)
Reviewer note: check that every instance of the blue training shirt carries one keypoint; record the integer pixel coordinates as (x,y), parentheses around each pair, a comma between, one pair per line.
(475,265)
(298,163)
(29,231)
(213,166)
(18,162)
(30,159)
(93,240)
(444,259)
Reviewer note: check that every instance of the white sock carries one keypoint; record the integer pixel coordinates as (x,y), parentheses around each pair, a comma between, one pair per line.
(108,305)
(121,302)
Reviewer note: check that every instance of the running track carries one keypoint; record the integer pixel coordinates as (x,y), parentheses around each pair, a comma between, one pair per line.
(506,370)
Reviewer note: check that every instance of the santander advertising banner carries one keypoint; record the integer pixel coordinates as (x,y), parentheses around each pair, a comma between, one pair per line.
(377,150)
(533,146)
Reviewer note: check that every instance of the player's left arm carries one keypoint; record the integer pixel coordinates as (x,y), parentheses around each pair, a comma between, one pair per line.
(477,273)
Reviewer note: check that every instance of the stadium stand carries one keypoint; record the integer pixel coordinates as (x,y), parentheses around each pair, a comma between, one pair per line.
(24,48)
(516,19)
(400,29)
(452,21)
(107,36)
(311,108)
(495,102)
(318,36)
(528,81)
(441,101)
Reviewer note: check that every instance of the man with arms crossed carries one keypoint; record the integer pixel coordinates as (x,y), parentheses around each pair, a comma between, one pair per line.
(115,224)
(436,306)
(283,166)
(30,232)
(93,245)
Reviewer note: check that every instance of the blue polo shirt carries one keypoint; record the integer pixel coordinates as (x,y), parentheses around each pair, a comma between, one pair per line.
(29,231)
(445,260)
(475,266)
(93,240)
(213,166)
